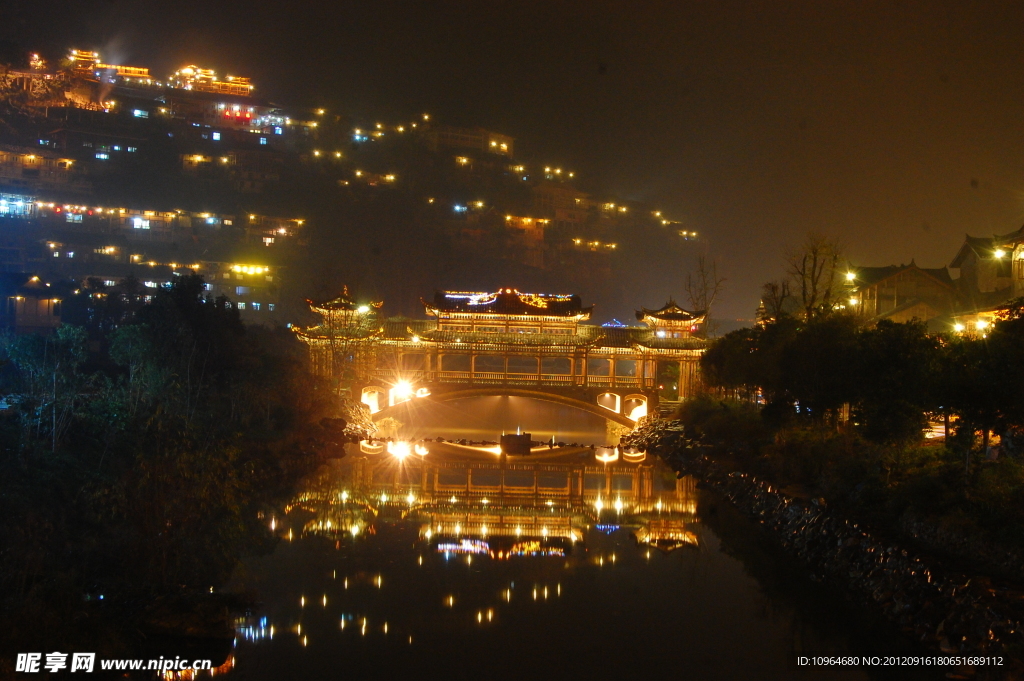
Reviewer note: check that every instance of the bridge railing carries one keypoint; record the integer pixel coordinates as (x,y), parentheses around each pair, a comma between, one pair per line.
(498,378)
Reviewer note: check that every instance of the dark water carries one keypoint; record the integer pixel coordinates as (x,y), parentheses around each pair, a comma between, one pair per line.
(661,581)
(485,418)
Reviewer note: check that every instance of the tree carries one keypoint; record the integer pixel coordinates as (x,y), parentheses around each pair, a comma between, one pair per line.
(813,272)
(897,367)
(774,295)
(819,366)
(702,287)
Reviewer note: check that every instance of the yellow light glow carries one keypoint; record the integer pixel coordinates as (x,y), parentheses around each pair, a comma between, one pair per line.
(980,324)
(958,327)
(1000,253)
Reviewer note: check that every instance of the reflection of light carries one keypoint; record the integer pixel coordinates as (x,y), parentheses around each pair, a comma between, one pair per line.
(618,505)
(610,455)
(344,496)
(354,530)
(411,499)
(421,450)
(383,498)
(598,504)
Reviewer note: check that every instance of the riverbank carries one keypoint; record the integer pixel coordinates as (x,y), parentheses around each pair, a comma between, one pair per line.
(948,611)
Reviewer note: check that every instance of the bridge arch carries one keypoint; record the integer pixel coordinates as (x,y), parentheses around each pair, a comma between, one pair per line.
(505,391)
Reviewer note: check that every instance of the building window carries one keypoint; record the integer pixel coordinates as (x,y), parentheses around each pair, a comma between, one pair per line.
(240,306)
(227,275)
(140,113)
(216,137)
(73,217)
(256,306)
(102,156)
(268,240)
(278,131)
(71,254)
(140,223)
(241,290)
(270,307)
(263,140)
(269,278)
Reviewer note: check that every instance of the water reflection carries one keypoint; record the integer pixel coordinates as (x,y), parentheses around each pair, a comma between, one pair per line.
(449,559)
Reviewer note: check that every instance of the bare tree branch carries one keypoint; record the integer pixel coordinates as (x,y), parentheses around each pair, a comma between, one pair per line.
(813,271)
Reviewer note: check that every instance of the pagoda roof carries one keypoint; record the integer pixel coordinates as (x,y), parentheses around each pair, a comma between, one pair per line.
(343,303)
(508,301)
(670,312)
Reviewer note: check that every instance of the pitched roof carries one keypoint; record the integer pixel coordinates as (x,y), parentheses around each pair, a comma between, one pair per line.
(508,301)
(670,312)
(869,276)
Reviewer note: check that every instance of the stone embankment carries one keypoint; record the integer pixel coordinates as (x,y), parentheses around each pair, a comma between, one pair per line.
(948,612)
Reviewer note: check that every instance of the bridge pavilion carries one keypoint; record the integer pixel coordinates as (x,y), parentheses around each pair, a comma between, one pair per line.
(509,343)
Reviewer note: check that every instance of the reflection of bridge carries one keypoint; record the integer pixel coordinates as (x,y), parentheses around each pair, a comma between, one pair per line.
(624,488)
(509,343)
(499,508)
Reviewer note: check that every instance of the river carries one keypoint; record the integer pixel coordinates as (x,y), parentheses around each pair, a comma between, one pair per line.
(445,561)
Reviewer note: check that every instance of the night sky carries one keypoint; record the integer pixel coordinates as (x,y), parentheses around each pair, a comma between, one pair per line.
(895,127)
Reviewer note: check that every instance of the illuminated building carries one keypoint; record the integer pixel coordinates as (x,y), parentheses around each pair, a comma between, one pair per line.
(28,304)
(24,169)
(253,288)
(195,78)
(440,137)
(899,293)
(565,206)
(508,339)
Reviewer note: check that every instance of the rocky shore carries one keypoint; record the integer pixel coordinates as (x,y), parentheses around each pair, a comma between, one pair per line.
(949,612)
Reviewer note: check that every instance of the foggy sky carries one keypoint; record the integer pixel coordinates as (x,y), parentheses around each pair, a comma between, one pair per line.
(895,127)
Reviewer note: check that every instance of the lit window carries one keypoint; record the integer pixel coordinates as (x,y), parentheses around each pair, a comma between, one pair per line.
(240,306)
(256,306)
(241,290)
(269,278)
(140,223)
(140,113)
(132,149)
(56,255)
(117,148)
(151,284)
(268,240)
(263,140)
(73,217)
(270,307)
(216,137)
(208,287)
(102,156)
(227,275)
(277,130)
(109,282)
(71,254)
